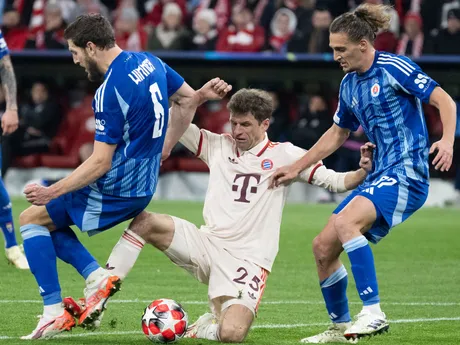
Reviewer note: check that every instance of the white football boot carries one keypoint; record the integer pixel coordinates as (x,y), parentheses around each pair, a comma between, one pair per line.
(200,326)
(367,324)
(48,328)
(15,255)
(334,334)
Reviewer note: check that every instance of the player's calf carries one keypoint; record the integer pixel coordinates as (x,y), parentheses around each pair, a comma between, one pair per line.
(235,323)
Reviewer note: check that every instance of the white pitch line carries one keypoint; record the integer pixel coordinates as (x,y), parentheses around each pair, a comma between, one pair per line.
(262,326)
(133,301)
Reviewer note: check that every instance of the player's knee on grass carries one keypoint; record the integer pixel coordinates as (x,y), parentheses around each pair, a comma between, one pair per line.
(36,215)
(235,323)
(156,229)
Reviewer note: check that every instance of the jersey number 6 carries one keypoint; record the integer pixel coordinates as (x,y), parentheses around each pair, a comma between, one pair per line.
(158,110)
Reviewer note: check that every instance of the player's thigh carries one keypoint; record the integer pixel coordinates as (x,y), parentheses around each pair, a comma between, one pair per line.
(326,245)
(234,323)
(356,217)
(37,215)
(156,229)
(241,281)
(190,249)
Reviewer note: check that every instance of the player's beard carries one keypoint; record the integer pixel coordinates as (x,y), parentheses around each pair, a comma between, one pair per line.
(94,74)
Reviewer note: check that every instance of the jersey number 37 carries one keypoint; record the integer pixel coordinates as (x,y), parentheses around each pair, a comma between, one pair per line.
(158,110)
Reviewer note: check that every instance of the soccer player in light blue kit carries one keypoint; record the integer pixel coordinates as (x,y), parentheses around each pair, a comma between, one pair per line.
(10,123)
(117,182)
(383,93)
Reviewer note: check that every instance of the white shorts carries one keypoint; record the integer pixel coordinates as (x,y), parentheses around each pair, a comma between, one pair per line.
(202,256)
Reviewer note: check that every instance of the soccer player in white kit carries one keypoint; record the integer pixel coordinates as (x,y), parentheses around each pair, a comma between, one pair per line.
(234,251)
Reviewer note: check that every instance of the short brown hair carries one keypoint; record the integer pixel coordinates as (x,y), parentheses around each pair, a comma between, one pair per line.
(257,102)
(362,23)
(91,28)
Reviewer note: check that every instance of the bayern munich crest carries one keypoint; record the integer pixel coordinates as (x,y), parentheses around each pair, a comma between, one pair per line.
(267,164)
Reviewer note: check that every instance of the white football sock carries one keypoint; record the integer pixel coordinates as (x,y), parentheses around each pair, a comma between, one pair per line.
(96,276)
(373,309)
(210,332)
(52,311)
(124,255)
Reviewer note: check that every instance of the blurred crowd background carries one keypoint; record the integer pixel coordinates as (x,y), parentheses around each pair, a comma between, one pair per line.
(57,126)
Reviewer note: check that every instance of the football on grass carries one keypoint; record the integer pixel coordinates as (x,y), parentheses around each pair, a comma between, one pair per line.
(164,321)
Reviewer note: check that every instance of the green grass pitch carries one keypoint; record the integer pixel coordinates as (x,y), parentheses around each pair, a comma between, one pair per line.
(418,268)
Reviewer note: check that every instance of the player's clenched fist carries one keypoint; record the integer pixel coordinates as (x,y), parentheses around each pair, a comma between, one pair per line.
(214,89)
(38,195)
(367,151)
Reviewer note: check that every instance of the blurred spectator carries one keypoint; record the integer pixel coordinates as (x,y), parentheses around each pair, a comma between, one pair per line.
(282,28)
(88,6)
(14,32)
(242,35)
(38,123)
(222,8)
(279,122)
(336,8)
(453,4)
(304,12)
(411,42)
(204,26)
(313,121)
(170,34)
(447,41)
(386,41)
(319,39)
(51,36)
(263,10)
(128,33)
(154,17)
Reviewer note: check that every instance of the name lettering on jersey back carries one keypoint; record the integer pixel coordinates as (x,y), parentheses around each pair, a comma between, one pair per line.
(143,71)
(250,182)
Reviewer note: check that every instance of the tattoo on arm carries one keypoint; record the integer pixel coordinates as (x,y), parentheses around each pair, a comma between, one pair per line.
(9,82)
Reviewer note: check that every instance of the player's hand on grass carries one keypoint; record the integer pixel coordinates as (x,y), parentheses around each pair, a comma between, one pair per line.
(38,195)
(443,159)
(214,89)
(10,121)
(367,151)
(284,175)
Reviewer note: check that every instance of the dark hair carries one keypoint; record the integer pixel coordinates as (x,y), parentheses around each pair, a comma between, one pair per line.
(257,102)
(362,23)
(91,28)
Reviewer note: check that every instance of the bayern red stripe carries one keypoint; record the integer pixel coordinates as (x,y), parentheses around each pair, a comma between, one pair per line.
(313,172)
(134,242)
(200,145)
(134,239)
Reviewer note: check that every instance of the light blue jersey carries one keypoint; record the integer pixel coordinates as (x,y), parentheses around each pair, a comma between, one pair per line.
(131,110)
(387,102)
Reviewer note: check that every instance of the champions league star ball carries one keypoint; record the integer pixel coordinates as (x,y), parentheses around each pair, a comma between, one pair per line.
(164,321)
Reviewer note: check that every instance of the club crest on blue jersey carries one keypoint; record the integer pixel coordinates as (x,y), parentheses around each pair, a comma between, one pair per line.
(375,91)
(267,164)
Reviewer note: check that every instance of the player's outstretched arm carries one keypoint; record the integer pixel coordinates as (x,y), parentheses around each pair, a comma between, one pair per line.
(10,117)
(341,182)
(184,104)
(448,112)
(326,145)
(88,172)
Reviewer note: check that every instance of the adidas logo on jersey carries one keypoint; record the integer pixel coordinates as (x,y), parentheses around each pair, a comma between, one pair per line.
(421,80)
(232,160)
(100,125)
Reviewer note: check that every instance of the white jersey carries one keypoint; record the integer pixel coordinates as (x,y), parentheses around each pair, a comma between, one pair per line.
(240,209)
